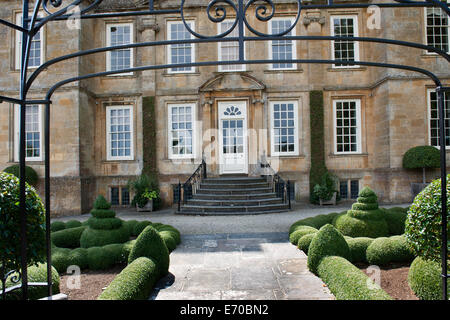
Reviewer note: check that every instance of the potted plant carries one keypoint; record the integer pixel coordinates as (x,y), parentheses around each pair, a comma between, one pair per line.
(145,202)
(421,157)
(146,193)
(326,192)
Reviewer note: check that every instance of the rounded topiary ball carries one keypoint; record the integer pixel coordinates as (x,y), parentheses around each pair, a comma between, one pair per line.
(31,176)
(300,232)
(304,242)
(423,222)
(101,237)
(327,242)
(150,244)
(422,157)
(424,278)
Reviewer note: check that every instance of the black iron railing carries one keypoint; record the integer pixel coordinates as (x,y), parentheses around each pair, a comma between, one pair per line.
(281,187)
(189,188)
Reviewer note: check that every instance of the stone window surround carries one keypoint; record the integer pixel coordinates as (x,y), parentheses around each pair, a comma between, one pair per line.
(16,113)
(354,16)
(359,121)
(193,46)
(425,34)
(273,153)
(17,46)
(294,44)
(108,26)
(107,137)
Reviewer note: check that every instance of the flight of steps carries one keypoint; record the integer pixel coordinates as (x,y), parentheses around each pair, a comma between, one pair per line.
(234,195)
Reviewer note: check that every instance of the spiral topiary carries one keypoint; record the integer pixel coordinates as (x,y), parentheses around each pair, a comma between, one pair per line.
(365,219)
(103,228)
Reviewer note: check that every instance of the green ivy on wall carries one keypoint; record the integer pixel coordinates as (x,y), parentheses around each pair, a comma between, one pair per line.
(318,168)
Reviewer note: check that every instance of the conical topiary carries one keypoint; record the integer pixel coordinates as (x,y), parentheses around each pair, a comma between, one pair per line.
(365,219)
(103,228)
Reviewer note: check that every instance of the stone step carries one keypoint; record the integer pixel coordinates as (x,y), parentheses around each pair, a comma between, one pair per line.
(224,191)
(236,209)
(233,203)
(232,197)
(234,180)
(242,185)
(229,213)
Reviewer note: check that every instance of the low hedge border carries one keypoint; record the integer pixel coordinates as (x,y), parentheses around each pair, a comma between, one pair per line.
(425,279)
(347,282)
(135,282)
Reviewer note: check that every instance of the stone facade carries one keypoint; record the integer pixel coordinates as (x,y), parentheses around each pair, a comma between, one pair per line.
(394,110)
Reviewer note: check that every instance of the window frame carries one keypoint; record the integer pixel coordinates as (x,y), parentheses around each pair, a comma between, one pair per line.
(17,134)
(272,130)
(219,49)
(109,157)
(172,156)
(425,23)
(169,47)
(294,43)
(108,43)
(18,44)
(429,91)
(356,43)
(358,127)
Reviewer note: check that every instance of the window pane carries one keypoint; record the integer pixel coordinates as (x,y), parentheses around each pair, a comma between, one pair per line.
(181,133)
(344,50)
(120,132)
(346,126)
(114,196)
(343,189)
(282,49)
(125,196)
(434,119)
(354,189)
(180,53)
(119,35)
(284,138)
(229,50)
(437,29)
(32,131)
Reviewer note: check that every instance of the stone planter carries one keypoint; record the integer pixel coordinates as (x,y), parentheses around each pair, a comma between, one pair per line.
(332,201)
(148,207)
(416,188)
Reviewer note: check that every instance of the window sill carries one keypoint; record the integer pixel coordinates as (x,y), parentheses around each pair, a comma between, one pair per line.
(39,162)
(430,55)
(346,69)
(180,74)
(290,156)
(118,161)
(341,155)
(119,76)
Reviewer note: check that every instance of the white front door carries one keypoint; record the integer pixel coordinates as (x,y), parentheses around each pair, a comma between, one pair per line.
(233,137)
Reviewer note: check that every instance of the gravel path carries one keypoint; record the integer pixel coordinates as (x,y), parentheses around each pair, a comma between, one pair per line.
(274,222)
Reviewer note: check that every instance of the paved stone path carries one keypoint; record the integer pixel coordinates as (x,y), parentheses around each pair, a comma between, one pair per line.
(250,266)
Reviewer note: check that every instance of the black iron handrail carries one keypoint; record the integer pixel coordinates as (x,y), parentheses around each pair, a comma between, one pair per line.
(191,185)
(281,187)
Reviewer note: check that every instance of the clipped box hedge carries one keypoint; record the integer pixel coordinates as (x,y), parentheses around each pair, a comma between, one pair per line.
(347,282)
(67,238)
(135,282)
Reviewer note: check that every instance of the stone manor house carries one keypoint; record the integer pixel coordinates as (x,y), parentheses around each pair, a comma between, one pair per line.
(235,116)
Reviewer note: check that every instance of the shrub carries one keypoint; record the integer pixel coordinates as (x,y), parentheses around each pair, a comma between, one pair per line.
(425,279)
(101,203)
(130,224)
(395,218)
(126,249)
(73,224)
(60,259)
(135,282)
(305,241)
(78,257)
(140,226)
(97,238)
(328,241)
(150,244)
(168,240)
(57,226)
(422,157)
(10,244)
(347,282)
(354,227)
(423,223)
(99,259)
(393,249)
(104,223)
(36,273)
(364,219)
(299,232)
(67,238)
(103,213)
(358,248)
(31,176)
(175,233)
(115,250)
(316,221)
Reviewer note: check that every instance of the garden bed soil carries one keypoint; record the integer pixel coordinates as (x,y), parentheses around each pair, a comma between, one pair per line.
(92,283)
(394,280)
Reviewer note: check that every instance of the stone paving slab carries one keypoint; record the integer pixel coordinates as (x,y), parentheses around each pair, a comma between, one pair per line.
(250,266)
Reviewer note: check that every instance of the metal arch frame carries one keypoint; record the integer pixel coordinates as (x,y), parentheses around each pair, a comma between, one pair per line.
(31,25)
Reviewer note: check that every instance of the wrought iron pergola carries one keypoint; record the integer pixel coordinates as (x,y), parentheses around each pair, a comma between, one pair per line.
(216,10)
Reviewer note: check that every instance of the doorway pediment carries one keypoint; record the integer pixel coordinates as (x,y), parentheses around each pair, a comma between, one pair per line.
(232,81)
